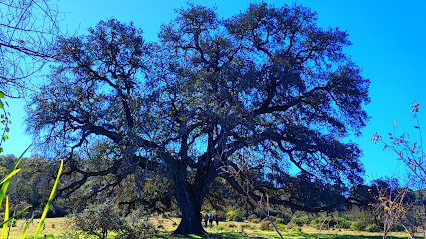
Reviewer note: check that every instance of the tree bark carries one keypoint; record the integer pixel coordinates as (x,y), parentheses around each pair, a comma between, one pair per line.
(191,219)
(190,200)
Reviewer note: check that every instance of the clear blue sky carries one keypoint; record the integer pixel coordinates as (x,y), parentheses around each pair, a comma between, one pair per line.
(388,39)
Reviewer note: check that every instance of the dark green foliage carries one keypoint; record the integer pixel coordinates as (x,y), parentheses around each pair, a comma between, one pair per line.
(300,221)
(282,220)
(362,195)
(372,228)
(356,226)
(397,227)
(331,222)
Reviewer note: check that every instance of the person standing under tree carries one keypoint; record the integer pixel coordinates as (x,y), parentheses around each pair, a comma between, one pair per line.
(211,219)
(206,218)
(216,219)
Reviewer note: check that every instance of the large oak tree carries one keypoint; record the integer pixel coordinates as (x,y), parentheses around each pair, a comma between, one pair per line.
(239,99)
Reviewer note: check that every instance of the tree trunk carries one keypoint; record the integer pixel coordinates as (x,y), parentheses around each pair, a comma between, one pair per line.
(191,220)
(190,200)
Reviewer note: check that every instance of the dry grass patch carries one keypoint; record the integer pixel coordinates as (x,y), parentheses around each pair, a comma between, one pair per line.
(54,226)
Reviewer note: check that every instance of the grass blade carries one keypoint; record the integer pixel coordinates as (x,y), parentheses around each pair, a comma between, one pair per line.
(26,227)
(43,216)
(10,226)
(6,218)
(4,186)
(9,175)
(15,216)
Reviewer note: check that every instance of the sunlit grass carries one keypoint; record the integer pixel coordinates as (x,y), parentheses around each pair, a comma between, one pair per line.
(60,229)
(54,226)
(238,231)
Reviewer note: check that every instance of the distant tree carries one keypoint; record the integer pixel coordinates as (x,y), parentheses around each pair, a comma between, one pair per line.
(257,91)
(315,194)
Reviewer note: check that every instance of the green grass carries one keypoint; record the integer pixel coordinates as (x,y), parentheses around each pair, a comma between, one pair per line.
(238,230)
(222,232)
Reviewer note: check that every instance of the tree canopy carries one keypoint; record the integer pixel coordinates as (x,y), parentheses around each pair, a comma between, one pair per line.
(240,98)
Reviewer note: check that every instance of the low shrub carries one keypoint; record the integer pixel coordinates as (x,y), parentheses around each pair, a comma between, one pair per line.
(98,220)
(331,223)
(102,218)
(320,222)
(281,227)
(291,225)
(135,225)
(342,223)
(252,218)
(300,221)
(265,225)
(237,215)
(296,229)
(396,227)
(356,226)
(283,220)
(372,228)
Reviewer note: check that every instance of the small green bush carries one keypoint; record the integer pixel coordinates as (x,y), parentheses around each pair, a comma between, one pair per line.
(342,223)
(396,227)
(282,220)
(265,225)
(291,225)
(317,222)
(102,218)
(296,229)
(356,226)
(237,215)
(300,221)
(252,218)
(281,227)
(98,220)
(372,228)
